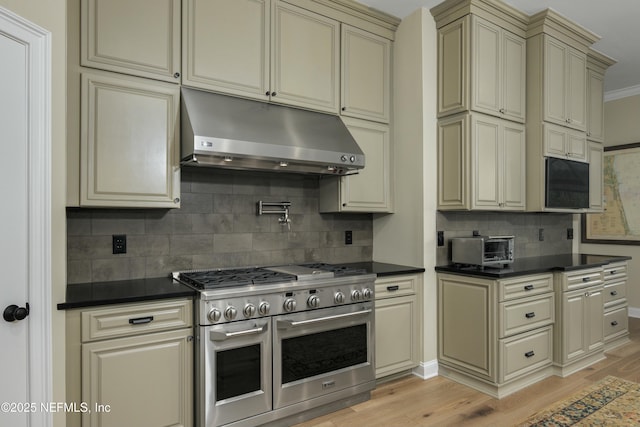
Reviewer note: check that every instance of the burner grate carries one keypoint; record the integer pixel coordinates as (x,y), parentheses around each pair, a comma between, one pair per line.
(234,277)
(336,269)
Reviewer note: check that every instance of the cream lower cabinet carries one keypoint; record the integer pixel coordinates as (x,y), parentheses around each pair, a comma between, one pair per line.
(495,335)
(481,163)
(129,142)
(131,364)
(616,307)
(139,37)
(579,337)
(370,189)
(397,317)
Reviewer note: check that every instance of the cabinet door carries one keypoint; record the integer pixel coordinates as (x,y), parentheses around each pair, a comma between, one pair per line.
(396,335)
(453,162)
(453,66)
(226,46)
(305,59)
(573,326)
(370,189)
(513,178)
(129,142)
(555,81)
(595,106)
(365,76)
(596,195)
(576,89)
(139,37)
(145,380)
(486,68)
(577,145)
(514,80)
(594,315)
(485,152)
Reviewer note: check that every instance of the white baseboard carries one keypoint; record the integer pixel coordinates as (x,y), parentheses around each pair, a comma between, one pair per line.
(634,312)
(426,370)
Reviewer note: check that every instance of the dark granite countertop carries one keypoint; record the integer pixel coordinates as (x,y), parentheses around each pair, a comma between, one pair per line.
(382,269)
(535,265)
(124,291)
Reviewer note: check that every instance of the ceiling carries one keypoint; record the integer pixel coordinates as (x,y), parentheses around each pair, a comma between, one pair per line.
(616,21)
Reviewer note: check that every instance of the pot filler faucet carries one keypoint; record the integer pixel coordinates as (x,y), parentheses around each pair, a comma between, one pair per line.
(281,208)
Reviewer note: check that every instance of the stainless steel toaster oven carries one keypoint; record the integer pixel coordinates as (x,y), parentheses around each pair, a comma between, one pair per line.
(484,251)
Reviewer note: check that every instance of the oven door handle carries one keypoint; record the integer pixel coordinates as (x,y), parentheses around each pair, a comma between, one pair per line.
(288,324)
(222,336)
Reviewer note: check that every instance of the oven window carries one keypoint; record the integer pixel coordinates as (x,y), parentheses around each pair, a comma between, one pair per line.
(238,371)
(315,354)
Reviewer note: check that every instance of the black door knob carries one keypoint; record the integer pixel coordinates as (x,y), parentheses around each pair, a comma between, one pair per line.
(13,312)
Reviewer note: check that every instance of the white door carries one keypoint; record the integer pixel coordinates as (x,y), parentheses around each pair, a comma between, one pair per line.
(24,222)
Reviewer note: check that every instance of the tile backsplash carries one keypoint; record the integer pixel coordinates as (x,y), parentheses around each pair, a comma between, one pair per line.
(524,226)
(215,227)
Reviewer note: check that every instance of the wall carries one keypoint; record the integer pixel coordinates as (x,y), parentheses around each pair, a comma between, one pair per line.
(51,15)
(622,127)
(524,226)
(408,236)
(216,226)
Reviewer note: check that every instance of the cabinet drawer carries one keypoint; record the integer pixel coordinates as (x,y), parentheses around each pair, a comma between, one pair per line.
(615,271)
(525,314)
(581,278)
(134,319)
(615,293)
(396,286)
(525,353)
(524,286)
(616,323)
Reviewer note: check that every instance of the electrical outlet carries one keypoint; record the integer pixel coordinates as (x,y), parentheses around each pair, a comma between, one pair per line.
(440,238)
(569,233)
(348,237)
(541,234)
(119,242)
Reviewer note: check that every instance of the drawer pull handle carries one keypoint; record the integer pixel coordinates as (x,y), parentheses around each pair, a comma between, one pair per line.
(141,320)
(614,323)
(614,293)
(586,279)
(528,288)
(530,315)
(529,354)
(613,272)
(393,288)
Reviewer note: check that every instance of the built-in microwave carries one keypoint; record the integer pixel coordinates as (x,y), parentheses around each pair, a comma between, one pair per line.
(483,251)
(566,184)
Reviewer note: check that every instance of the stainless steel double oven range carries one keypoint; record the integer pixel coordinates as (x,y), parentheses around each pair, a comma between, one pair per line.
(276,343)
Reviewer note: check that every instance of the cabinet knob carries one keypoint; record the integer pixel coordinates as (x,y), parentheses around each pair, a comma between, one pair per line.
(344,108)
(614,323)
(614,293)
(273,94)
(267,93)
(502,110)
(176,75)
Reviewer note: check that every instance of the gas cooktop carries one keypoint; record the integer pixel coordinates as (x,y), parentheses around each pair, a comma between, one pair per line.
(232,277)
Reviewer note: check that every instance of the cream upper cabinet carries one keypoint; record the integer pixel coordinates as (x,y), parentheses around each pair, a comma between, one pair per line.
(226,46)
(597,64)
(560,141)
(139,37)
(365,75)
(563,81)
(370,189)
(481,67)
(268,50)
(129,142)
(596,185)
(481,163)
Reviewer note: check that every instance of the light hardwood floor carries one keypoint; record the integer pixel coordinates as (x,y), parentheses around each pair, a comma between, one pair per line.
(411,401)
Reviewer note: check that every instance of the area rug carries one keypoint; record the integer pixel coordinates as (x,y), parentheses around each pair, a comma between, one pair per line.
(609,402)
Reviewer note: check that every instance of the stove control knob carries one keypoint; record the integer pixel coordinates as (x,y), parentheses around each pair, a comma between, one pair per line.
(249,310)
(263,308)
(289,304)
(356,295)
(313,301)
(230,313)
(366,293)
(338,297)
(214,315)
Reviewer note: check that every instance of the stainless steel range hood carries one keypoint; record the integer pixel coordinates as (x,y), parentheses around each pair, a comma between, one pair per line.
(224,131)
